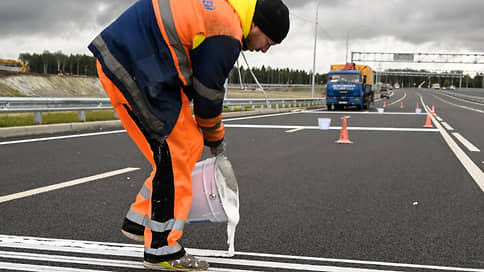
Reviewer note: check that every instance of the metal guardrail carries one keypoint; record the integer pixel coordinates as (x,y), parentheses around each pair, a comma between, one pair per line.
(44,104)
(37,105)
(268,86)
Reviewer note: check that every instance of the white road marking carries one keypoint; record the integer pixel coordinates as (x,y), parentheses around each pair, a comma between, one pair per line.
(62,137)
(438,118)
(465,142)
(64,184)
(332,128)
(43,268)
(447,126)
(139,264)
(460,106)
(134,250)
(404,95)
(260,116)
(294,130)
(363,112)
(460,99)
(473,170)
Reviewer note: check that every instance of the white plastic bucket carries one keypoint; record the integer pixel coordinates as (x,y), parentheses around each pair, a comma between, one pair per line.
(418,110)
(206,203)
(324,123)
(380,110)
(216,196)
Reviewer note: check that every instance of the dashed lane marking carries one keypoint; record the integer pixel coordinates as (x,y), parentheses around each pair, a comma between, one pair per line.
(64,184)
(132,250)
(62,137)
(474,171)
(466,142)
(294,130)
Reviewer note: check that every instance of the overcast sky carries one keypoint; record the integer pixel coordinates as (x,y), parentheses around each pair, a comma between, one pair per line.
(402,26)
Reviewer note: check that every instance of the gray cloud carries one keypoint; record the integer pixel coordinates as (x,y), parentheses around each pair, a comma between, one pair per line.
(53,17)
(444,24)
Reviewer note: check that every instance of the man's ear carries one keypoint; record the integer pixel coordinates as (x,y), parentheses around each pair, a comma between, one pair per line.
(252,26)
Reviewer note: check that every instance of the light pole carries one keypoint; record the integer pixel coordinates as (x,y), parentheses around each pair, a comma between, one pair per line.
(347,45)
(314,50)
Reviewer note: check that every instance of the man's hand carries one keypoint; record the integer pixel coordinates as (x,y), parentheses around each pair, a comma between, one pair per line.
(220,149)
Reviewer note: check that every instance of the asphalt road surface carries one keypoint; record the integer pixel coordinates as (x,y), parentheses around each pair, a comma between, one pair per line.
(400,198)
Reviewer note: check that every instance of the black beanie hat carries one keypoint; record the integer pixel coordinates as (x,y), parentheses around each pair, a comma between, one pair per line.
(272,17)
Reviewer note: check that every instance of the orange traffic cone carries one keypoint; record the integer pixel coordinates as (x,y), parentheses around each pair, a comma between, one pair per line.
(401,105)
(416,107)
(384,104)
(428,122)
(433,110)
(343,137)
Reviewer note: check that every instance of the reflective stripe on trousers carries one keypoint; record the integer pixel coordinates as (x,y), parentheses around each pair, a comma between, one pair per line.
(164,201)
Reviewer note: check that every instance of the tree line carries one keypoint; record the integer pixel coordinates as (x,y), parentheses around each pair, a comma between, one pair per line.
(271,75)
(412,81)
(57,62)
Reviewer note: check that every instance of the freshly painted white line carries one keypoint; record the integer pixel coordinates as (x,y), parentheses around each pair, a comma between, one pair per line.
(465,142)
(332,128)
(438,118)
(42,268)
(64,184)
(294,130)
(460,106)
(260,116)
(134,250)
(86,261)
(402,98)
(473,170)
(288,266)
(447,126)
(122,131)
(62,137)
(69,259)
(139,265)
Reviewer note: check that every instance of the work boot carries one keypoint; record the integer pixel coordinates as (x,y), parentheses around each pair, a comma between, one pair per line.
(133,231)
(185,263)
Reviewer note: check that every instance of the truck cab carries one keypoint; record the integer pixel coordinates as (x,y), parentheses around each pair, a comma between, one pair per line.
(348,86)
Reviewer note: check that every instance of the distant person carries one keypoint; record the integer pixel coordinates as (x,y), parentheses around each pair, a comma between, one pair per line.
(156,58)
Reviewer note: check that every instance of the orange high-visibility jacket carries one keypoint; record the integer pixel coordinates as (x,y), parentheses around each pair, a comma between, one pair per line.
(157,47)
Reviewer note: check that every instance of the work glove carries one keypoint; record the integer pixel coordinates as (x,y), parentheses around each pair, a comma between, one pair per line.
(220,149)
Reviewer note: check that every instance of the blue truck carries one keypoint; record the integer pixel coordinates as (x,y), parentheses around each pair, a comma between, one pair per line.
(350,85)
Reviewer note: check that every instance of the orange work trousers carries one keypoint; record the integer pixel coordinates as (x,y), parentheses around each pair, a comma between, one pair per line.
(164,201)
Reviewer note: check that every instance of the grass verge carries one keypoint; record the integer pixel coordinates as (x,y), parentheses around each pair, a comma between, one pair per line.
(27,119)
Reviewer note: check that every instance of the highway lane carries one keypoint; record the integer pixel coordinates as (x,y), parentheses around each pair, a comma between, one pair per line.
(463,117)
(400,197)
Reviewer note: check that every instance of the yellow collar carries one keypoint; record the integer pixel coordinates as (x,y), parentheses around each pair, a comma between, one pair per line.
(245,9)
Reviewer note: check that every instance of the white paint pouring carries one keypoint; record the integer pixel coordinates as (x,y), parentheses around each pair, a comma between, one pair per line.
(216,197)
